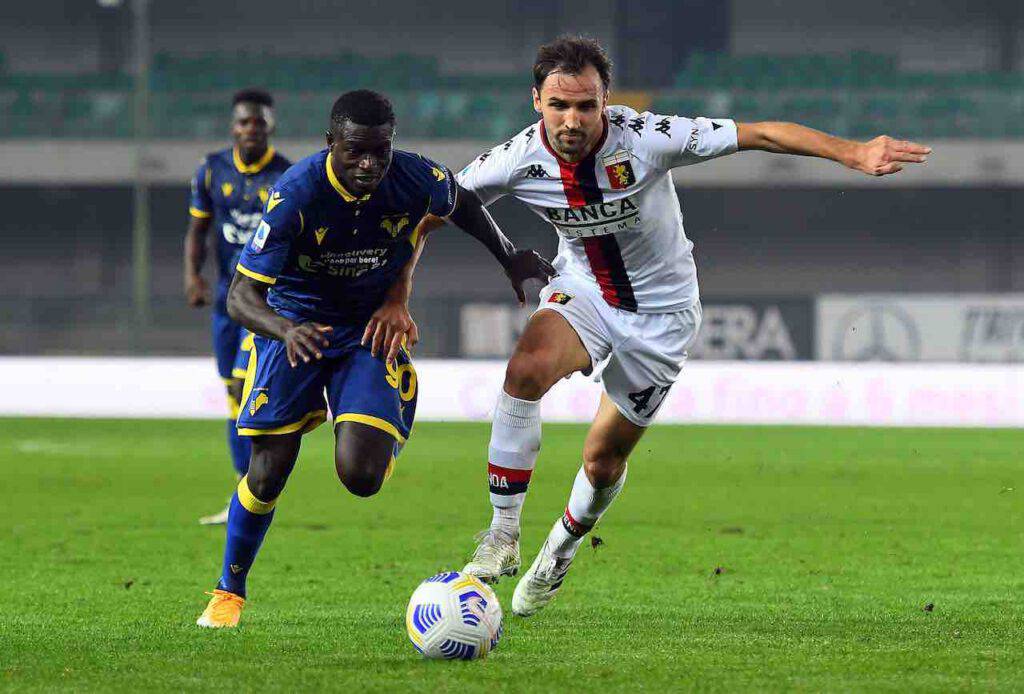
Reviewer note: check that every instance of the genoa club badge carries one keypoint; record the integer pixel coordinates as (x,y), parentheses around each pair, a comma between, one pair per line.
(619,170)
(559,298)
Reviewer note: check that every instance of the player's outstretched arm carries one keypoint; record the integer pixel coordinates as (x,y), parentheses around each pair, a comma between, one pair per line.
(247,305)
(878,157)
(197,291)
(471,216)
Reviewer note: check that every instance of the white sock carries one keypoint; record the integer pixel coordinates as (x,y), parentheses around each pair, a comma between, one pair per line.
(512,455)
(586,505)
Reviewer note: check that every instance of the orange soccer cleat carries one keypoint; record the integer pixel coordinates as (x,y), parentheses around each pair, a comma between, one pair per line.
(224,610)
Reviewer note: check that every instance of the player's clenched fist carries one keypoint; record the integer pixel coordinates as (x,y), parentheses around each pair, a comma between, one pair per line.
(387,327)
(305,341)
(197,292)
(884,155)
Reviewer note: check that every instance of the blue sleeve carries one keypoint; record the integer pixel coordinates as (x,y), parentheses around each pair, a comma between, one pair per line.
(200,204)
(264,256)
(440,186)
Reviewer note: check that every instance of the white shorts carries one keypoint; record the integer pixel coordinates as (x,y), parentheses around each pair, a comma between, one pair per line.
(636,356)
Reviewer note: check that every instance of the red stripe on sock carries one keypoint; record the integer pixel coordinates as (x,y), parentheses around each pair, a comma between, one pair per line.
(574,526)
(512,475)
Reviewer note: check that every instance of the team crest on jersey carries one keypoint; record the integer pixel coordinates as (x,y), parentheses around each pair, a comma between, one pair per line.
(394,223)
(258,401)
(226,189)
(264,195)
(619,169)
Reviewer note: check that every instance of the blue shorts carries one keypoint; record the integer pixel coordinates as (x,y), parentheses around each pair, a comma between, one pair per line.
(280,399)
(230,345)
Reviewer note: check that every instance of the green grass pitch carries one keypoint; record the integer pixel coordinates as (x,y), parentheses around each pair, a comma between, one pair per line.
(736,559)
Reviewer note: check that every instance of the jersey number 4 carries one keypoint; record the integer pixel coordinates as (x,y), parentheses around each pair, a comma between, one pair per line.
(641,399)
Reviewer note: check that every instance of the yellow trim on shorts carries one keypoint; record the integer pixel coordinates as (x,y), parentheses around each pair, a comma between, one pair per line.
(198,213)
(255,275)
(309,422)
(237,374)
(250,502)
(233,407)
(370,420)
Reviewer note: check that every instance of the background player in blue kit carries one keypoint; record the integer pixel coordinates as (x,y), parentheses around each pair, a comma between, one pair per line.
(229,191)
(324,283)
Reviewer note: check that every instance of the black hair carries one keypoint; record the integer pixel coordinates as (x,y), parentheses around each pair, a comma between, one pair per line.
(253,96)
(570,55)
(362,107)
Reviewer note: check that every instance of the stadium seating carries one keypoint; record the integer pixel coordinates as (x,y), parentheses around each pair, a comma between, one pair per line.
(853,94)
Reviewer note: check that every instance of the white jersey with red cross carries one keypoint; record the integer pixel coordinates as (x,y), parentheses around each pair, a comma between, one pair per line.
(616,211)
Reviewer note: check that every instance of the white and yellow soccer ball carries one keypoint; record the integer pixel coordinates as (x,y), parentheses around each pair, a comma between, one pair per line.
(454,616)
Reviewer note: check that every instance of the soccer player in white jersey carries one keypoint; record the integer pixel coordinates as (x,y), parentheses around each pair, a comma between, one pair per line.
(624,305)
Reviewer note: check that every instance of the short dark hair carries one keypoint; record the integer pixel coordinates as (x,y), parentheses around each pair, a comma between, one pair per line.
(362,107)
(570,55)
(253,96)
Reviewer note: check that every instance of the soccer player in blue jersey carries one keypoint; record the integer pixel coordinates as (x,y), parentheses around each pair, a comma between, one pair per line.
(324,284)
(229,191)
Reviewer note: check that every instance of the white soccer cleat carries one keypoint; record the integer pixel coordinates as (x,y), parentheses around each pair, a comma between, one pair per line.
(540,583)
(496,555)
(219,518)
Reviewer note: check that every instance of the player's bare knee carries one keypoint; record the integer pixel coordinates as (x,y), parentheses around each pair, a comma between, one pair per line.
(603,463)
(265,481)
(529,375)
(362,478)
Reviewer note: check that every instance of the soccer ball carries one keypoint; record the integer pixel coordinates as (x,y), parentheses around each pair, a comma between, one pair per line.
(454,615)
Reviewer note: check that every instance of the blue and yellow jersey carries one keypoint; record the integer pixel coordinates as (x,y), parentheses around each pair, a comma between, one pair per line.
(331,256)
(232,195)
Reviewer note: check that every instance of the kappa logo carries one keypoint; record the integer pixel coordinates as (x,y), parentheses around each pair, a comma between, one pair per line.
(274,201)
(664,126)
(258,401)
(536,171)
(319,234)
(393,224)
(618,120)
(637,125)
(226,189)
(559,298)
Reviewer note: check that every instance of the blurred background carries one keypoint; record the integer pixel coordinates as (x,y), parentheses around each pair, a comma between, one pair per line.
(106,107)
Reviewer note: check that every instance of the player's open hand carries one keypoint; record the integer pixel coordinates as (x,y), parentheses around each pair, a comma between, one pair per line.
(197,291)
(884,155)
(388,327)
(524,265)
(306,341)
